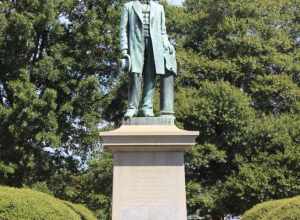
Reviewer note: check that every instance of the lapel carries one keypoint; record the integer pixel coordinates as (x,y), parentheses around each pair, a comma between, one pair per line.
(152,10)
(137,6)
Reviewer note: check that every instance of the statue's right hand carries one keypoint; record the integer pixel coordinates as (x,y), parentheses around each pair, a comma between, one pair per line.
(124,52)
(125,63)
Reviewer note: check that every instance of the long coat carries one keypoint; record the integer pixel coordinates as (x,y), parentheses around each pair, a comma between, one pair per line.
(132,39)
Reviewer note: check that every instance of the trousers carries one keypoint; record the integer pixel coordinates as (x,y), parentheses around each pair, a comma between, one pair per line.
(147,78)
(167,94)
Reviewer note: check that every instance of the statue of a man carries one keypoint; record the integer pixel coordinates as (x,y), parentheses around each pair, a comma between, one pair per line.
(144,41)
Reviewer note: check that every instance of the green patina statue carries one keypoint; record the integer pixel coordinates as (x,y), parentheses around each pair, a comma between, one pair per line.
(147,52)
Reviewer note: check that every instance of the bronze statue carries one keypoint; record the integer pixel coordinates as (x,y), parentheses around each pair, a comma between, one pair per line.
(147,52)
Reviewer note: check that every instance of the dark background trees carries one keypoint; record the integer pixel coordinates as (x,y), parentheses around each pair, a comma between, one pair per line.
(239,85)
(57,61)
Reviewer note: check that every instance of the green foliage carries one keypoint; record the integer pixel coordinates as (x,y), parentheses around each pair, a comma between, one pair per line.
(92,187)
(97,186)
(81,210)
(276,94)
(268,168)
(278,209)
(25,204)
(222,114)
(57,67)
(219,108)
(247,38)
(6,169)
(57,58)
(41,187)
(239,86)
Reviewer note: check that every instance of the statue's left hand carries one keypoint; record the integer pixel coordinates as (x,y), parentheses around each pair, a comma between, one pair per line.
(170,48)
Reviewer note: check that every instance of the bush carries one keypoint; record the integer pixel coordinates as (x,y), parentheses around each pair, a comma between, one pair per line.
(26,204)
(287,209)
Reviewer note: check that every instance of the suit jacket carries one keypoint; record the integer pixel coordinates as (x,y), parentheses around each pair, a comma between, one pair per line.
(170,61)
(132,39)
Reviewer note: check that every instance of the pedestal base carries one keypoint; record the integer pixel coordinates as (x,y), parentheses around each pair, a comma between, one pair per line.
(148,159)
(149,186)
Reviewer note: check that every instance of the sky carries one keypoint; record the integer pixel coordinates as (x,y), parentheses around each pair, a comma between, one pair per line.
(176,2)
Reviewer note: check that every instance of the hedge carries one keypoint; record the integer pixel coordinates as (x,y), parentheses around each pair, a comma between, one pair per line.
(287,209)
(26,204)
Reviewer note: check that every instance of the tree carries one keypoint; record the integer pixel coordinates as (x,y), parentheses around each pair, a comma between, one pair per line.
(57,61)
(91,186)
(239,86)
(57,67)
(222,114)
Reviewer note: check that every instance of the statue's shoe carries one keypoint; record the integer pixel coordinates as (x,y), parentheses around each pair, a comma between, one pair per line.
(130,113)
(148,113)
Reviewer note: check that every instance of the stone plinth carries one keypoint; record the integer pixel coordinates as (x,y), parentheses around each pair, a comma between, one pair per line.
(148,179)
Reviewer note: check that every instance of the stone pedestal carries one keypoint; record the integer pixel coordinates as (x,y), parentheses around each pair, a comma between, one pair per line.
(148,178)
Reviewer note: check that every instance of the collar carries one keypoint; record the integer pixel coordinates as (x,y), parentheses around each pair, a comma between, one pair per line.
(145,1)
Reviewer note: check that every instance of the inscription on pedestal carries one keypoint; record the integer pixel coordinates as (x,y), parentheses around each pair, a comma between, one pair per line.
(152,187)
